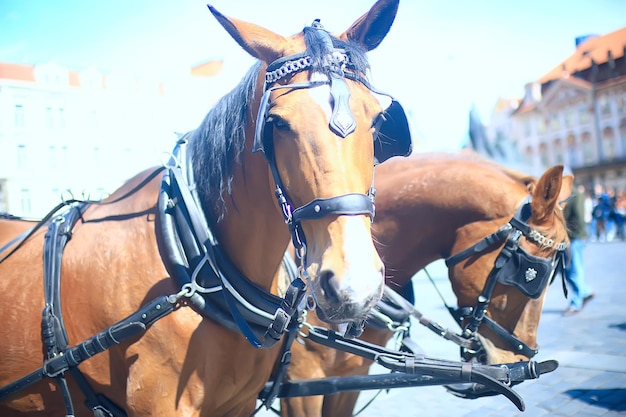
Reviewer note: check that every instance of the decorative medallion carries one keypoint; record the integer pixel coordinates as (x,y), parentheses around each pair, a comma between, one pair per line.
(531,274)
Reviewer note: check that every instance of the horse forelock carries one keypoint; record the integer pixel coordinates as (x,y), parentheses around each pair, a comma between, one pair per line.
(317,51)
(216,145)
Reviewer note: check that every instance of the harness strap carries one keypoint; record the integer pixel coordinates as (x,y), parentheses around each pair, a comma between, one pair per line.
(495,377)
(132,326)
(479,247)
(216,288)
(447,334)
(53,331)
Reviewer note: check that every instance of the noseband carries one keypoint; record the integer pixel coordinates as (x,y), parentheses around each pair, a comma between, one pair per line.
(337,65)
(515,267)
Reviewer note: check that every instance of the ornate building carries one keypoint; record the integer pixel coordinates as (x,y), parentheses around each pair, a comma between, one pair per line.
(576,114)
(70,133)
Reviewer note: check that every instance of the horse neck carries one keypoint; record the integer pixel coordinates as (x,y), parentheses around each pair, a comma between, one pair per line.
(435,208)
(252,230)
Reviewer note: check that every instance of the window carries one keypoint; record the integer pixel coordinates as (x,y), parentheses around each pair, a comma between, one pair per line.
(554,121)
(19,116)
(541,125)
(22,160)
(622,133)
(621,102)
(543,155)
(53,157)
(49,118)
(604,105)
(527,128)
(608,142)
(583,113)
(558,151)
(588,151)
(572,151)
(25,201)
(64,158)
(528,156)
(569,117)
(61,117)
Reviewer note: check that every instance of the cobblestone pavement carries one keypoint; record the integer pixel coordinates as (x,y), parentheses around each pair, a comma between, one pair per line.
(590,348)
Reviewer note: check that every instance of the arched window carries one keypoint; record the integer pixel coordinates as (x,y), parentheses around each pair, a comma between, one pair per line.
(583,113)
(622,133)
(558,151)
(572,151)
(604,104)
(529,155)
(543,155)
(589,154)
(608,142)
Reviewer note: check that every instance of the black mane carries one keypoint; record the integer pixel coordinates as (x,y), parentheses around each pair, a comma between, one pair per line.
(217,143)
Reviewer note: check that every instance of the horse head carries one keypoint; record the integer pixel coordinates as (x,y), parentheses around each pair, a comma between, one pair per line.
(321,126)
(510,282)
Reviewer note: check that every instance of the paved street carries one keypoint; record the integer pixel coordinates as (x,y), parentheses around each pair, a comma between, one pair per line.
(590,347)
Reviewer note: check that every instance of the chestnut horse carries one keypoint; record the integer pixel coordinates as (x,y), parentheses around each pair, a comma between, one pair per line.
(433,206)
(180,264)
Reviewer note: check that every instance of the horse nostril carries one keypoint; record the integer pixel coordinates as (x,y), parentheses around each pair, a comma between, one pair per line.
(330,286)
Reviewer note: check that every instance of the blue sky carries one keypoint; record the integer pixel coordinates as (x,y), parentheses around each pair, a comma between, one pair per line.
(440,58)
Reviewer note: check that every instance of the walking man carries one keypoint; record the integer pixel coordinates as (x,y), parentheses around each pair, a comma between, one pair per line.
(574,213)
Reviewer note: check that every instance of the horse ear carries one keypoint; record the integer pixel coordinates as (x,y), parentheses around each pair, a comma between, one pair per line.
(259,42)
(370,29)
(547,193)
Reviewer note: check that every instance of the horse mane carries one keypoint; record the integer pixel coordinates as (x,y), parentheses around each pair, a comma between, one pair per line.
(219,140)
(216,145)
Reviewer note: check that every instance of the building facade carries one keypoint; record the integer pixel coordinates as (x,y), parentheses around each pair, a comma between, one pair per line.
(576,115)
(69,134)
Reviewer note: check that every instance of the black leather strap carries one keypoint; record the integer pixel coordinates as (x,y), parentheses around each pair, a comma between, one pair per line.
(348,204)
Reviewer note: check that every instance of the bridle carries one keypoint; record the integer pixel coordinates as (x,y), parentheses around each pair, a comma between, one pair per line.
(391,126)
(515,267)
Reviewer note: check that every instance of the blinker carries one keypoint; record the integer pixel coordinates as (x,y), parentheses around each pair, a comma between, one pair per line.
(528,273)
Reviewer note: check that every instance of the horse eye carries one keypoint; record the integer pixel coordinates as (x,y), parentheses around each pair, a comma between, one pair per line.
(278,122)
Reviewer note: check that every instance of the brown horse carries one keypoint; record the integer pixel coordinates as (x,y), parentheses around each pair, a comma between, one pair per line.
(433,206)
(179,263)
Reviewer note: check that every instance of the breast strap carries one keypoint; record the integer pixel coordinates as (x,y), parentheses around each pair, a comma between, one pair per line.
(216,288)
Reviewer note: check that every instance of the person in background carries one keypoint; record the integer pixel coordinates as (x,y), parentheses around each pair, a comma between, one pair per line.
(620,214)
(601,213)
(591,231)
(574,213)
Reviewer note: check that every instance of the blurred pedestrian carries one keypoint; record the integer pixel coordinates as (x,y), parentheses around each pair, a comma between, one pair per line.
(574,213)
(601,213)
(591,231)
(620,214)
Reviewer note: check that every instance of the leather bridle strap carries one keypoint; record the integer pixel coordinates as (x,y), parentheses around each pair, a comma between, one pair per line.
(347,204)
(481,246)
(479,314)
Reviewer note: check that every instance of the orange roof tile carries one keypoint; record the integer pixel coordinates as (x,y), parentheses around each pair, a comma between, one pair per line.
(595,48)
(74,78)
(208,69)
(19,72)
